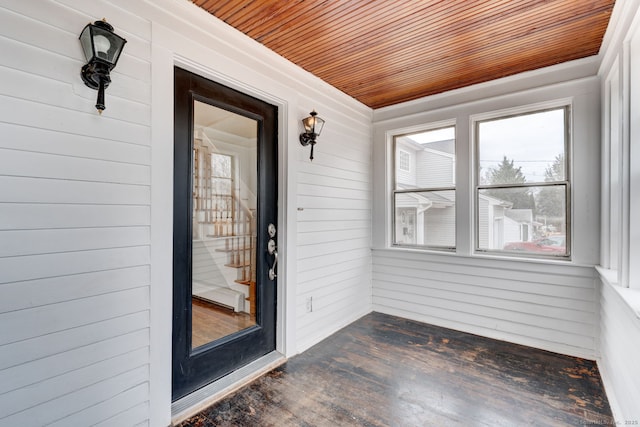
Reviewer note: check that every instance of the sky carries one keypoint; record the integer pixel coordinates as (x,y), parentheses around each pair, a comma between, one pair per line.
(533,141)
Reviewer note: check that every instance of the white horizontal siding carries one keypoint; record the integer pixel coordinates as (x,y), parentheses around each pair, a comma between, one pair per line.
(83,388)
(440,226)
(42,346)
(75,207)
(51,117)
(30,216)
(434,170)
(549,307)
(21,242)
(40,190)
(62,363)
(619,350)
(619,342)
(28,138)
(124,405)
(28,164)
(26,294)
(74,222)
(333,231)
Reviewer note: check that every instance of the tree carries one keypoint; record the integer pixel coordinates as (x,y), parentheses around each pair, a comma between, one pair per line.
(555,172)
(507,173)
(551,200)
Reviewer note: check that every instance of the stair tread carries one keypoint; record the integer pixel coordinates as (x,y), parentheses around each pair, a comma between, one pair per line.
(238,264)
(246,248)
(231,236)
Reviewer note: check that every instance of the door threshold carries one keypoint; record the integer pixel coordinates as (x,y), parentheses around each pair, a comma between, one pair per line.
(200,399)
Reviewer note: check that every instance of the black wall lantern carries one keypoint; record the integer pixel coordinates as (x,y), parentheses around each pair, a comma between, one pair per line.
(102,48)
(312,128)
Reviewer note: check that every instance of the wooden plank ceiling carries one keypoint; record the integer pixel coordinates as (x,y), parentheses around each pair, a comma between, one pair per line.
(383,52)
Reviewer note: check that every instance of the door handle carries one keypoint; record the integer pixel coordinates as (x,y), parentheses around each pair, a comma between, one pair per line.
(272,270)
(273,250)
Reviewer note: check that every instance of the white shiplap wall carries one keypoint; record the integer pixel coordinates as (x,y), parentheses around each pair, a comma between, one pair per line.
(619,343)
(551,305)
(619,348)
(333,232)
(74,222)
(85,237)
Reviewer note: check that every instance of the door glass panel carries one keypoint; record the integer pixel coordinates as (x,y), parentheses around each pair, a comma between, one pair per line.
(224,206)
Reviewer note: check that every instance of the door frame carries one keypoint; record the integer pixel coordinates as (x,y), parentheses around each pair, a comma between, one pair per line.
(176,51)
(195,368)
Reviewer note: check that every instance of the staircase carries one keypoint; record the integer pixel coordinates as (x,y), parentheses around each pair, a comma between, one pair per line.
(224,220)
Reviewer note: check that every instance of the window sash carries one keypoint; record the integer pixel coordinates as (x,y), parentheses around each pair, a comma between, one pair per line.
(537,184)
(429,236)
(398,190)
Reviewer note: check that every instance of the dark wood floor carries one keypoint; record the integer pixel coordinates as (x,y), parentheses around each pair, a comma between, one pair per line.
(210,322)
(387,371)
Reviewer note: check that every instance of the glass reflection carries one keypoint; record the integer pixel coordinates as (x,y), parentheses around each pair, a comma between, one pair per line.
(224,223)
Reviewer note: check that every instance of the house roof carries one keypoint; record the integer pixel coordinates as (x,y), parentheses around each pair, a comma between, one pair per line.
(385,52)
(447,146)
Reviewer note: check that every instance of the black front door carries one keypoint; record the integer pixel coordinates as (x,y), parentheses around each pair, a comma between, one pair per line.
(225,211)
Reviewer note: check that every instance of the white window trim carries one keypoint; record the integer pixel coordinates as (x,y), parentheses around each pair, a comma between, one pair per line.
(390,165)
(629,276)
(473,147)
(612,167)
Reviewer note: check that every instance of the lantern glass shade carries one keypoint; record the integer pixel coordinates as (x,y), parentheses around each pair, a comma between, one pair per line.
(313,124)
(101,44)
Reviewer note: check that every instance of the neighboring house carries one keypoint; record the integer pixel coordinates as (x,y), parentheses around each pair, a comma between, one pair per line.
(429,218)
(522,227)
(425,218)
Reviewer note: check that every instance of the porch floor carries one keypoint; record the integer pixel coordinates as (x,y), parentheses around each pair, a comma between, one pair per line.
(388,371)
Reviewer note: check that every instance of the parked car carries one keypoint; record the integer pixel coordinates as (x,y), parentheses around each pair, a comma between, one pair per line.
(550,244)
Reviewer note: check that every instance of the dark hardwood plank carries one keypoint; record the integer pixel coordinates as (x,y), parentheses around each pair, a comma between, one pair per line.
(210,322)
(387,371)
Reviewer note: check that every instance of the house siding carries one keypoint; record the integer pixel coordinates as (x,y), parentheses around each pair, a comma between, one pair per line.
(551,309)
(619,290)
(440,224)
(551,305)
(74,223)
(619,347)
(85,291)
(440,172)
(485,212)
(333,238)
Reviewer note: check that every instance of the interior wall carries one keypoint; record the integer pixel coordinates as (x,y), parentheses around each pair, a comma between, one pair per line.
(74,213)
(619,347)
(619,269)
(551,305)
(85,206)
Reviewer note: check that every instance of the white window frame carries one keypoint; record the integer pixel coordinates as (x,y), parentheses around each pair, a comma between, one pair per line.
(395,162)
(475,120)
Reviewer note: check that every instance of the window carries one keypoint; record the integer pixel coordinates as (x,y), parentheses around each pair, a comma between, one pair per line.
(522,184)
(404,161)
(424,192)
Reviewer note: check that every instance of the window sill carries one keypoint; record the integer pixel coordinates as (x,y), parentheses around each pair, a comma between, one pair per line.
(484,256)
(630,296)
